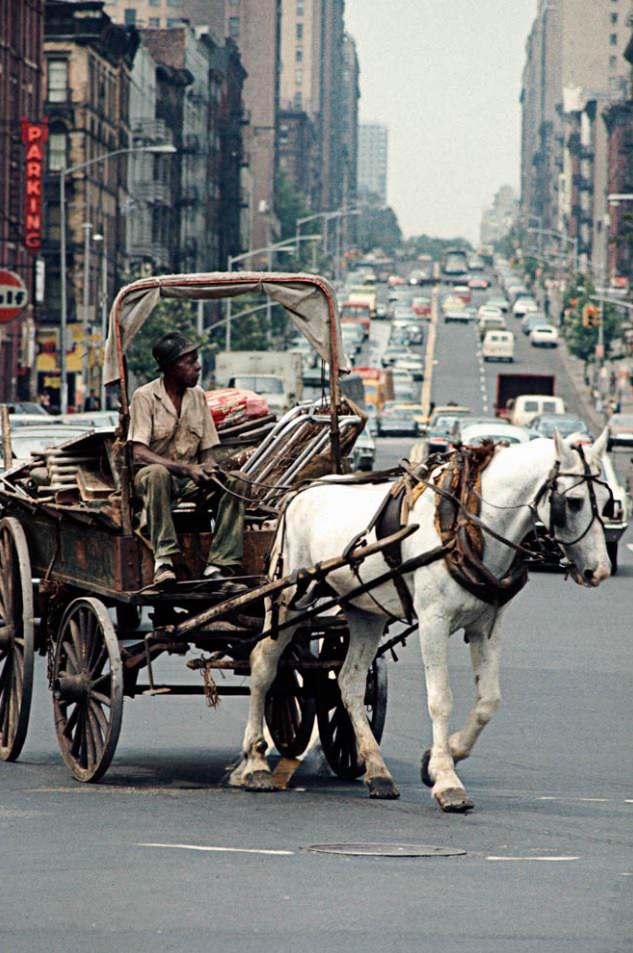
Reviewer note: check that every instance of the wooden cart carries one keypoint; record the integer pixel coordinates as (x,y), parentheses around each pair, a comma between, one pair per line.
(76,573)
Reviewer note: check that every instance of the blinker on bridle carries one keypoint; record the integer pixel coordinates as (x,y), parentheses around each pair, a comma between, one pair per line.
(557,501)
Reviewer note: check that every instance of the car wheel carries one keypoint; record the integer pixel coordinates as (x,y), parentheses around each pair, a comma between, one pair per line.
(612,551)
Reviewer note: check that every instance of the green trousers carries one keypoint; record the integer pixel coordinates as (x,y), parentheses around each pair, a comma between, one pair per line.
(159,491)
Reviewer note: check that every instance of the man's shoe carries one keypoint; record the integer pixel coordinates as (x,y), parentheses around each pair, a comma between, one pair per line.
(164,574)
(221,572)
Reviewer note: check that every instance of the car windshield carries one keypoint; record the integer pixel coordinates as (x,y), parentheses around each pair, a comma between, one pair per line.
(564,427)
(444,424)
(624,420)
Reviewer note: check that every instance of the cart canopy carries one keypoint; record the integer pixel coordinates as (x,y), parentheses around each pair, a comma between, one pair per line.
(309,301)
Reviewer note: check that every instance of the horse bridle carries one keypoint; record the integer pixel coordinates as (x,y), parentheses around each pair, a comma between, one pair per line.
(557,508)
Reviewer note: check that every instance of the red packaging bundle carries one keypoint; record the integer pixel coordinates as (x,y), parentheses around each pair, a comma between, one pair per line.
(230,406)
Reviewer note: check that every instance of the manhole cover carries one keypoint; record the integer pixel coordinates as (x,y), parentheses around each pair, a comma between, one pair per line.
(386,850)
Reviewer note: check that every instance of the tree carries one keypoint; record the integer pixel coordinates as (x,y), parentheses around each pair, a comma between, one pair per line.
(168,315)
(378,227)
(434,246)
(582,340)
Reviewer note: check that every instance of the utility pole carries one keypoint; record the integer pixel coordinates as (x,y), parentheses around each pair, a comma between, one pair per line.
(85,360)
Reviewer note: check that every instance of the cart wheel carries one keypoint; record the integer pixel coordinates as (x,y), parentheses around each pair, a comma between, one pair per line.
(335,728)
(290,704)
(16,638)
(87,689)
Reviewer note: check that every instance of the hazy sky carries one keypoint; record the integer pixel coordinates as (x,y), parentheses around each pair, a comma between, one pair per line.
(445,77)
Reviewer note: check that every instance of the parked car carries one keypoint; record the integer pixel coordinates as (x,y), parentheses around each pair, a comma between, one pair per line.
(25,407)
(421,307)
(392,353)
(475,434)
(404,387)
(544,335)
(26,441)
(463,292)
(621,430)
(363,453)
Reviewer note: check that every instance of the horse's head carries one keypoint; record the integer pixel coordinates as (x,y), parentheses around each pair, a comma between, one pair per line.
(574,505)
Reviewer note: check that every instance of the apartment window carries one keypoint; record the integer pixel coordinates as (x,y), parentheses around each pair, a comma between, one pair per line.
(299,55)
(299,31)
(154,3)
(57,81)
(614,18)
(173,21)
(174,3)
(613,62)
(299,8)
(613,39)
(234,3)
(129,16)
(298,77)
(57,150)
(154,22)
(234,26)
(298,100)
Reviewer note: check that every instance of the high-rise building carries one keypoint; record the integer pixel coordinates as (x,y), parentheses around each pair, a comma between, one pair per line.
(574,68)
(21,64)
(316,82)
(499,218)
(372,160)
(349,120)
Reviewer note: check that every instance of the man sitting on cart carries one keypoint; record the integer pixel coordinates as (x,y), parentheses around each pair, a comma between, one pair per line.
(173,436)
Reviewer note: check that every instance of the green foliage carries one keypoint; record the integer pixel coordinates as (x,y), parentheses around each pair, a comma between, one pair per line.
(168,315)
(378,227)
(580,340)
(434,246)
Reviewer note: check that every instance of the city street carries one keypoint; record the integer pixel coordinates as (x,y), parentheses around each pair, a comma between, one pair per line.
(161,857)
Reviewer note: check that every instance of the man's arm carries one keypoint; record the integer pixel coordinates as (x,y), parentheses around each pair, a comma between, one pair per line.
(142,456)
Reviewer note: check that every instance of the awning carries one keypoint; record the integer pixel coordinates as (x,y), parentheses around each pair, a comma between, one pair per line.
(309,301)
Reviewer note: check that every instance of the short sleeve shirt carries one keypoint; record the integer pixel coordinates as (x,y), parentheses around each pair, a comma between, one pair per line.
(155,423)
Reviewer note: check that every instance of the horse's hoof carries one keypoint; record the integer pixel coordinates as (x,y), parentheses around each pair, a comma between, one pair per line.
(454,801)
(259,781)
(424,769)
(383,789)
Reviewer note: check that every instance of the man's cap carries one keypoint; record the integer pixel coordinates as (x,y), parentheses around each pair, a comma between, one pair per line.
(170,347)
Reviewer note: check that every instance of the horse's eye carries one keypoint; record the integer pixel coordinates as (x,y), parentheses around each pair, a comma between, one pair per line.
(575,504)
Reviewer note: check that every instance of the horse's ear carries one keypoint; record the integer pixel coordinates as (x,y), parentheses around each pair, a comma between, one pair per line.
(600,446)
(564,453)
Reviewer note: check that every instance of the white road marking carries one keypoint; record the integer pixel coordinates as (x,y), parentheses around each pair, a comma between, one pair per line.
(222,850)
(544,859)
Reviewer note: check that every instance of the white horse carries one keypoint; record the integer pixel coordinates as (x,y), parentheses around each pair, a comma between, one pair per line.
(517,485)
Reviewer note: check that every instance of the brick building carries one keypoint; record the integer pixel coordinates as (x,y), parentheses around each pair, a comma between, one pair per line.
(21,61)
(88,63)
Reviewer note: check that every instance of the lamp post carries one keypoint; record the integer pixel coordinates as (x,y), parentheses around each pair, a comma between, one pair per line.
(164,148)
(288,245)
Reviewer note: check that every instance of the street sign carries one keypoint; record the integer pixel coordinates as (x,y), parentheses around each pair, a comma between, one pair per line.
(13,296)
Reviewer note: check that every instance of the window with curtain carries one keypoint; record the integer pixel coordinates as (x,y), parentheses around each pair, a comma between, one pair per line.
(57,149)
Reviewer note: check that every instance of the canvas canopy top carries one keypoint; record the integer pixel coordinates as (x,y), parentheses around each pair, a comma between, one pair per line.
(309,301)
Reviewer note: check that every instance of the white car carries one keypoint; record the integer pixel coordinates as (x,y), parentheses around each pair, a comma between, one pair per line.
(489,310)
(475,434)
(412,365)
(544,335)
(523,306)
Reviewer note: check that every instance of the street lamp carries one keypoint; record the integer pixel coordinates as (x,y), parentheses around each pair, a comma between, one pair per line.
(163,148)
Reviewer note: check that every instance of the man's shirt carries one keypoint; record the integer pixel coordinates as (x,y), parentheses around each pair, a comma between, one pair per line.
(155,423)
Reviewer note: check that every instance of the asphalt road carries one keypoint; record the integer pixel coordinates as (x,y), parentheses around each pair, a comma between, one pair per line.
(548,864)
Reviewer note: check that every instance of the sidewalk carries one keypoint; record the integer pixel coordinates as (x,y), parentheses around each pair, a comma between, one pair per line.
(576,371)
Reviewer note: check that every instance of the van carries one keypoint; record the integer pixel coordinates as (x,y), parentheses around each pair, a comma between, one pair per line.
(491,322)
(498,346)
(528,406)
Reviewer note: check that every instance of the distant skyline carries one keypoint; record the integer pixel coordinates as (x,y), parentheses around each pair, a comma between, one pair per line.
(445,77)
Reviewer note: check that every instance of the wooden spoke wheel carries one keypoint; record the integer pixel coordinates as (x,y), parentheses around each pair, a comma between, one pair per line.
(335,728)
(87,689)
(16,638)
(290,703)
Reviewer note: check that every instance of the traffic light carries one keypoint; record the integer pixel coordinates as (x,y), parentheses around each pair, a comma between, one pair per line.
(591,316)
